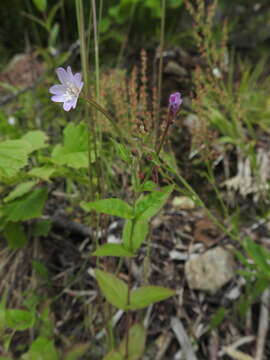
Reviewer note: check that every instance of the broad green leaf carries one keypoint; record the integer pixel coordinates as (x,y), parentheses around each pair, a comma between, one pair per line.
(36,139)
(42,349)
(149,205)
(76,351)
(148,186)
(15,235)
(115,207)
(19,319)
(13,156)
(5,358)
(136,343)
(112,250)
(20,190)
(114,355)
(114,289)
(29,206)
(147,295)
(43,173)
(41,5)
(42,228)
(140,231)
(74,152)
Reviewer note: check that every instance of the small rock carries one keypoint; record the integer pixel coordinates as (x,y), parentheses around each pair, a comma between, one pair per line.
(211,270)
(174,68)
(183,202)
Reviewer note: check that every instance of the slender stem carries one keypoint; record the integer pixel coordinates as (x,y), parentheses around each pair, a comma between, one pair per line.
(161,48)
(109,117)
(168,123)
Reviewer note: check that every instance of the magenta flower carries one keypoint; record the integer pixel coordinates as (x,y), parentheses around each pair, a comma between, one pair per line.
(69,90)
(175,102)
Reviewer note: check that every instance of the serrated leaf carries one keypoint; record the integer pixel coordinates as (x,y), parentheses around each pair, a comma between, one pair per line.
(114,289)
(13,156)
(149,205)
(42,349)
(112,250)
(147,295)
(15,235)
(19,319)
(29,206)
(123,152)
(140,231)
(43,173)
(20,190)
(136,343)
(115,207)
(36,139)
(74,152)
(41,5)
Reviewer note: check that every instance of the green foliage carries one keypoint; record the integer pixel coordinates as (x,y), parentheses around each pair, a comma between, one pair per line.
(27,207)
(115,207)
(18,320)
(133,238)
(13,156)
(42,349)
(20,190)
(15,235)
(116,292)
(74,152)
(149,205)
(114,289)
(41,5)
(112,250)
(147,295)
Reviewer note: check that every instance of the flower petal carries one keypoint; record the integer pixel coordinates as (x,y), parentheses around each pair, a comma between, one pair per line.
(57,89)
(58,98)
(68,105)
(78,80)
(63,76)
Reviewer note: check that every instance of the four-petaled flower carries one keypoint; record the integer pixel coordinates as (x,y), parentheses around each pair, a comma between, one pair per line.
(175,102)
(69,90)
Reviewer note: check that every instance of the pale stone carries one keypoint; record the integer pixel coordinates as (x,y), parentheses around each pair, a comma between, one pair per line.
(211,270)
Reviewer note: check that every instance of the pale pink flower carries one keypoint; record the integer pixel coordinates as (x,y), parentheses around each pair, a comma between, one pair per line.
(69,90)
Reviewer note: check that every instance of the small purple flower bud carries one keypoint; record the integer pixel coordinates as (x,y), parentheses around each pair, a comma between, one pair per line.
(175,102)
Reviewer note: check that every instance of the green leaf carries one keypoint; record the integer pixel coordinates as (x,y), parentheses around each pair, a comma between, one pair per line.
(112,250)
(36,140)
(115,207)
(15,235)
(42,349)
(147,295)
(41,5)
(29,206)
(74,152)
(114,289)
(136,343)
(42,228)
(113,355)
(76,351)
(149,205)
(140,231)
(13,156)
(41,269)
(217,318)
(259,254)
(148,186)
(20,190)
(123,152)
(43,173)
(19,319)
